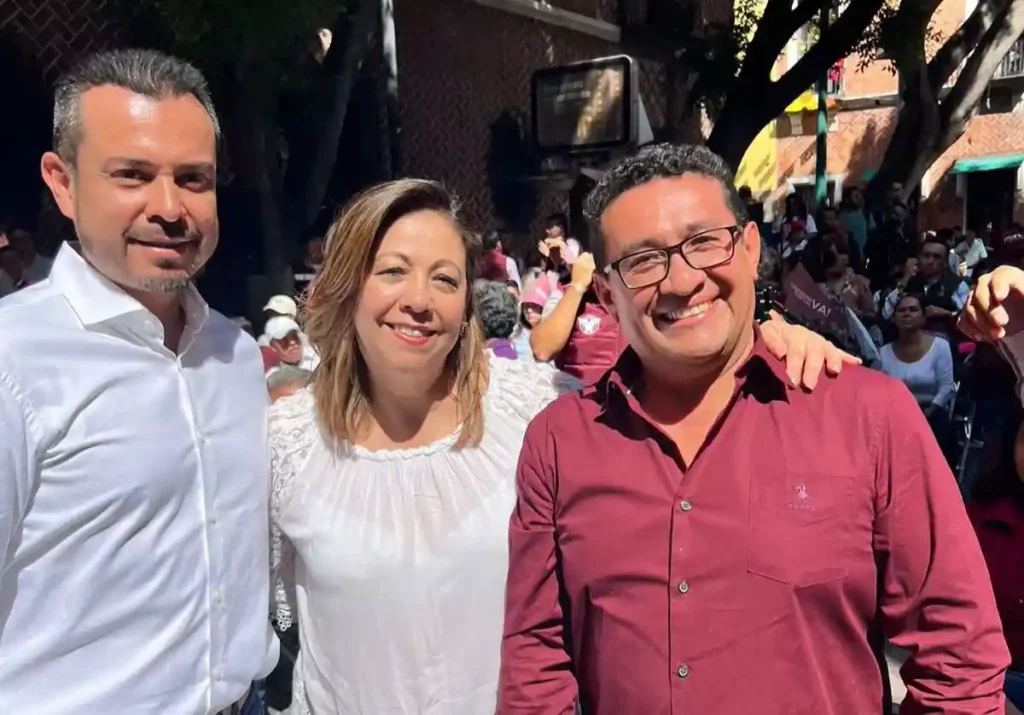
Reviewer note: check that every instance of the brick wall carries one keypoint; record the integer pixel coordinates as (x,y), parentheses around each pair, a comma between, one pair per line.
(57,31)
(460,66)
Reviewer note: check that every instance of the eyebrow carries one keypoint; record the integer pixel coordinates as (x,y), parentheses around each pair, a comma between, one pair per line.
(651,242)
(405,258)
(133,163)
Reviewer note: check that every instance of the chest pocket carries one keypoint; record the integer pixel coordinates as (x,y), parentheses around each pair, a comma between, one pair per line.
(800,527)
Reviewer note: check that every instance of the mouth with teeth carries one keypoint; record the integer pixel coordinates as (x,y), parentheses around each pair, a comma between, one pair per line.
(685,316)
(411,334)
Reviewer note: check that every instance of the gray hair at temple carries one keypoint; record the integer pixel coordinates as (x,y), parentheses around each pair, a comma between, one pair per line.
(146,72)
(497,308)
(658,161)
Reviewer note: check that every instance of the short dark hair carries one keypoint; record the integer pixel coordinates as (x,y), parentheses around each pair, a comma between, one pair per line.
(658,161)
(145,72)
(559,219)
(932,238)
(498,309)
(491,239)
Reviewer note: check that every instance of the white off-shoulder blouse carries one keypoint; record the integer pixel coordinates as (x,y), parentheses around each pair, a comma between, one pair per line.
(393,562)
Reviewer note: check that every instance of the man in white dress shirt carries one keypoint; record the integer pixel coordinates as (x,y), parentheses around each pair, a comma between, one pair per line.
(133,458)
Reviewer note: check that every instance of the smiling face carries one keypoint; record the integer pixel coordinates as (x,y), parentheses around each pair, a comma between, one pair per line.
(142,190)
(413,302)
(694,321)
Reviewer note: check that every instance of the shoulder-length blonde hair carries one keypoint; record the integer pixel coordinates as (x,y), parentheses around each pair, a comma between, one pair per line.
(341,382)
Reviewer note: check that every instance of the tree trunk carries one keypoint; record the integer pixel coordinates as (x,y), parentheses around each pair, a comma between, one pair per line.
(312,164)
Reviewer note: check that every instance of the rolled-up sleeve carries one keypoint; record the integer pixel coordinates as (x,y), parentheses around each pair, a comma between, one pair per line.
(536,677)
(936,599)
(17,463)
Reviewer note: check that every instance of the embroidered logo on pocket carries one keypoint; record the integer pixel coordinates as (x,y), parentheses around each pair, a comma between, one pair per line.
(802,500)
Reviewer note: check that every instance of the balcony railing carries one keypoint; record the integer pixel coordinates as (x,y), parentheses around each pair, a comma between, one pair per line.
(1012,64)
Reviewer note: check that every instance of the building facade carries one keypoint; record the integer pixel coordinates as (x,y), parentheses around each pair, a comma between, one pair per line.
(976,181)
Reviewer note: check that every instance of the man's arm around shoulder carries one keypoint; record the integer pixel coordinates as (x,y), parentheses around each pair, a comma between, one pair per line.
(536,676)
(936,598)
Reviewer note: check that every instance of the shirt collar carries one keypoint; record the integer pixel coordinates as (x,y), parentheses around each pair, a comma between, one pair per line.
(95,299)
(761,374)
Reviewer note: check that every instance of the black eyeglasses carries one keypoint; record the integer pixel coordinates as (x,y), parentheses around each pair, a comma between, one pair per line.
(701,251)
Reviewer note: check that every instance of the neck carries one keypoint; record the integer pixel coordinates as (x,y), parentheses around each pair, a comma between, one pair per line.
(167,307)
(402,411)
(910,337)
(671,397)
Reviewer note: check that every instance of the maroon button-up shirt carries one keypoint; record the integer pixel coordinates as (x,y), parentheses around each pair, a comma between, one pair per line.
(757,579)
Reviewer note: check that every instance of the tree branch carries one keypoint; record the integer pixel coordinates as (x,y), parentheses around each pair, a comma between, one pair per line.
(983,62)
(829,48)
(960,44)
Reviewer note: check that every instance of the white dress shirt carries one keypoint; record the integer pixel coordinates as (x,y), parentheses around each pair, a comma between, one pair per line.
(134,487)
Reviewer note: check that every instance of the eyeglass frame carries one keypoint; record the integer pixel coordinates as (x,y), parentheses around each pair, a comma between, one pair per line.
(736,230)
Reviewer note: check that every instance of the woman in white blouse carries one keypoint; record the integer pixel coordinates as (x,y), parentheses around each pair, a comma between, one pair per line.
(393,474)
(921,360)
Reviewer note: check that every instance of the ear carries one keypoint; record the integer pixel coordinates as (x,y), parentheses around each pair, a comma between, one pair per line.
(58,177)
(603,289)
(750,239)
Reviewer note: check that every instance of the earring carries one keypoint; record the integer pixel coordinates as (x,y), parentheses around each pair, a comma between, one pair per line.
(462,330)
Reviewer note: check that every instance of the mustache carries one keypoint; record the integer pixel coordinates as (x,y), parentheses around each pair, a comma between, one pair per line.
(172,232)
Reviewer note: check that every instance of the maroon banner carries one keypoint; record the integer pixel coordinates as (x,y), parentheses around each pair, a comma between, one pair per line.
(808,302)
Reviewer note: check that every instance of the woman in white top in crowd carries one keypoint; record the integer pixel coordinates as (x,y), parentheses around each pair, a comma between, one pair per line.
(393,473)
(921,360)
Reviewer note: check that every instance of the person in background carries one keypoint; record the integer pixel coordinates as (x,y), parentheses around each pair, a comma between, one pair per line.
(306,267)
(531,308)
(944,293)
(690,535)
(13,269)
(831,226)
(286,339)
(795,215)
(923,362)
(576,330)
(35,266)
(286,380)
(134,456)
(281,306)
(497,309)
(996,510)
(971,252)
(493,263)
(556,228)
(854,216)
(794,241)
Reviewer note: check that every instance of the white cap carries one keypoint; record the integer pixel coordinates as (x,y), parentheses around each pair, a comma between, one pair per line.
(278,327)
(283,305)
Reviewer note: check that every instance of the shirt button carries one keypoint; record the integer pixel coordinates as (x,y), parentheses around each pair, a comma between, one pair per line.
(218,674)
(218,598)
(683,671)
(683,587)
(213,520)
(685,505)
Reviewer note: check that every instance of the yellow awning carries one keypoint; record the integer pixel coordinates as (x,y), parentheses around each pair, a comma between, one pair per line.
(808,102)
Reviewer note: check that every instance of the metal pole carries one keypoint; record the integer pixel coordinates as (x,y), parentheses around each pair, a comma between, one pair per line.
(821,146)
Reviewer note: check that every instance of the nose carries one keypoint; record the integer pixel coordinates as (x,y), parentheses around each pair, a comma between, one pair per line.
(681,279)
(416,296)
(165,204)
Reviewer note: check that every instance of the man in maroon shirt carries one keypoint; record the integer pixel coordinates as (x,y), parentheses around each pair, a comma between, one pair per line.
(693,537)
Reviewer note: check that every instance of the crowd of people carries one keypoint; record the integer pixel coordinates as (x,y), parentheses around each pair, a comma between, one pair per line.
(592,479)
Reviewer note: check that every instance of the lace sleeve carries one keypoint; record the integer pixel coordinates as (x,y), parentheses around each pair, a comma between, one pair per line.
(292,430)
(524,387)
